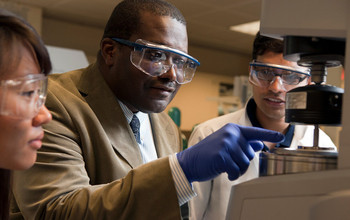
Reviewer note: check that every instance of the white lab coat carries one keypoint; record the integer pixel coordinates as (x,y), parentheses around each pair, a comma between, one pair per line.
(213,196)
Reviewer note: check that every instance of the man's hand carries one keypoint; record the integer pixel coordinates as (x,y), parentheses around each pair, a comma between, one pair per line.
(230,150)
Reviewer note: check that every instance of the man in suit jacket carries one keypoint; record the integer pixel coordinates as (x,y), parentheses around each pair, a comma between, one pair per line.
(92,165)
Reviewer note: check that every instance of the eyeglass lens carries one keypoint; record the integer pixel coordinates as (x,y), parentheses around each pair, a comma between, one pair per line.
(269,74)
(23,98)
(157,62)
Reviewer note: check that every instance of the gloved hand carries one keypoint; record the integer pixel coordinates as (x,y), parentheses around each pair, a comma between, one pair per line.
(229,150)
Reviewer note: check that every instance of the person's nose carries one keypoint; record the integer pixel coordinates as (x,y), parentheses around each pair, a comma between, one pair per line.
(277,85)
(44,116)
(170,74)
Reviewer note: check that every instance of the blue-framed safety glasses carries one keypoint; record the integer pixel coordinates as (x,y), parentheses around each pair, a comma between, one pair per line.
(156,59)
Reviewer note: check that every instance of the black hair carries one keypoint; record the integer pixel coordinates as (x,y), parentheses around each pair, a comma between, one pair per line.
(5,188)
(263,44)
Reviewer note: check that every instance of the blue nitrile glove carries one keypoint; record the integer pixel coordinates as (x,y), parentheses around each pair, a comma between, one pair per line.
(229,150)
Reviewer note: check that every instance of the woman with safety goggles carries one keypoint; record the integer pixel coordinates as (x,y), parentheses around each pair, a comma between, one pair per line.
(24,64)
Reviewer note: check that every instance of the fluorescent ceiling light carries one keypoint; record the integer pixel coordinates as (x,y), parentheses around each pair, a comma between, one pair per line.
(250,28)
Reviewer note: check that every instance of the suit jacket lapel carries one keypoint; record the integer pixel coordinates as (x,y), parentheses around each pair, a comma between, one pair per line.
(106,107)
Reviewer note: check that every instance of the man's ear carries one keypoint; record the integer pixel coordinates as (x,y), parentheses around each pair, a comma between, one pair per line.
(108,50)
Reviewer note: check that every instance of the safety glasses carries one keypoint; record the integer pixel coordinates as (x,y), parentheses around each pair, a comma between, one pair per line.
(156,59)
(23,97)
(263,74)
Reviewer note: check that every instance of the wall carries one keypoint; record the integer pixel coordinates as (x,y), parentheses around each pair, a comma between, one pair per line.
(75,36)
(70,35)
(193,99)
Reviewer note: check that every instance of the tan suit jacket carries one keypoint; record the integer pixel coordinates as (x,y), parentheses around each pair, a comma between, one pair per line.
(88,147)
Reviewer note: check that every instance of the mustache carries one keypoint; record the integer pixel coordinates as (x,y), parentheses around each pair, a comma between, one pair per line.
(168,83)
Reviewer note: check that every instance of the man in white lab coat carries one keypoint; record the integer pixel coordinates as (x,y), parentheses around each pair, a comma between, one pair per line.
(271,76)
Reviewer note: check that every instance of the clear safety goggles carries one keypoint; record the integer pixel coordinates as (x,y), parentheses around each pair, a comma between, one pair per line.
(156,59)
(23,97)
(264,74)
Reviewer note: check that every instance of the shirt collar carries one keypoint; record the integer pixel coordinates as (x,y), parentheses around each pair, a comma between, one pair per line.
(251,111)
(129,114)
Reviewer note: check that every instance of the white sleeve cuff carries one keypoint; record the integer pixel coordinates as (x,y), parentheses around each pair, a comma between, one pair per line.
(183,188)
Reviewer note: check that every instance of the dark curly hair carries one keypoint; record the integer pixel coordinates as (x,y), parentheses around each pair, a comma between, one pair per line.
(125,18)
